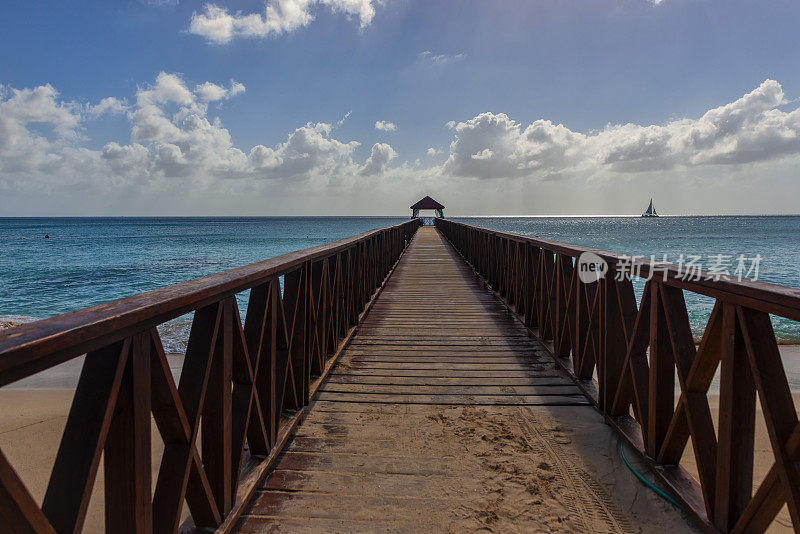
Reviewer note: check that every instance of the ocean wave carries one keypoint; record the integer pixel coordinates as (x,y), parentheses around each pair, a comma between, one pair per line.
(10,321)
(175,334)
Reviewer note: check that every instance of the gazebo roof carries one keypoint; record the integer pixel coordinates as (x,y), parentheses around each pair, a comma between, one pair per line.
(427,203)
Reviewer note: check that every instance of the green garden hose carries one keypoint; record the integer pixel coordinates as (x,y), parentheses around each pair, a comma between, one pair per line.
(646,482)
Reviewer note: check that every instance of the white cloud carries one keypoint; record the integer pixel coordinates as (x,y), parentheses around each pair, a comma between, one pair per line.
(432,151)
(751,129)
(210,92)
(440,59)
(386,126)
(168,88)
(309,150)
(38,105)
(175,139)
(108,106)
(171,136)
(380,157)
(36,129)
(363,9)
(219,26)
(484,154)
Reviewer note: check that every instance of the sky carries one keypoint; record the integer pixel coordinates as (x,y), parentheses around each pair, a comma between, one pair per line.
(339,107)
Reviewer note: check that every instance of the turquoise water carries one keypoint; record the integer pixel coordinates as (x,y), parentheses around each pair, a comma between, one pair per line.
(88,261)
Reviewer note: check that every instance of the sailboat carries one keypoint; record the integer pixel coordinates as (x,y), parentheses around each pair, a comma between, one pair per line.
(651,211)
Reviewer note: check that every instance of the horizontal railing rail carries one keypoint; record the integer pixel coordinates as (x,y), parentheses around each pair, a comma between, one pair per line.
(242,388)
(626,357)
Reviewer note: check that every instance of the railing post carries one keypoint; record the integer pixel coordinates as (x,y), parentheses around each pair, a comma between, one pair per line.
(546,294)
(532,319)
(126,456)
(217,430)
(661,391)
(561,286)
(737,407)
(294,301)
(316,317)
(581,352)
(614,343)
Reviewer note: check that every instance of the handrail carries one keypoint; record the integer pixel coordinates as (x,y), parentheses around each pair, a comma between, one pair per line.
(625,356)
(785,301)
(247,382)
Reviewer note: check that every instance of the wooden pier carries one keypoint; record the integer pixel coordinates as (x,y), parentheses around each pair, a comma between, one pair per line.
(418,378)
(374,452)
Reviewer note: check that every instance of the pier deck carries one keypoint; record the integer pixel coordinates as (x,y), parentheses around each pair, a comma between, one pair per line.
(444,415)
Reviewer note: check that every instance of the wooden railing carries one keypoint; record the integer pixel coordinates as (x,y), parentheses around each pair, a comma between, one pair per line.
(243,385)
(626,358)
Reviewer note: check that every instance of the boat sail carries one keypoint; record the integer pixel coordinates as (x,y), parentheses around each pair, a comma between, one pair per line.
(651,211)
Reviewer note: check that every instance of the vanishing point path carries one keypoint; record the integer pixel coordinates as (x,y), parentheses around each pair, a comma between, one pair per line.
(443,415)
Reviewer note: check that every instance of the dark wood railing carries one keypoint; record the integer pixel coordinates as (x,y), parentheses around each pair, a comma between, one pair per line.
(244,385)
(626,358)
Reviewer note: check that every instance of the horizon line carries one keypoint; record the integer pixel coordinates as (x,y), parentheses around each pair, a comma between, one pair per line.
(530,216)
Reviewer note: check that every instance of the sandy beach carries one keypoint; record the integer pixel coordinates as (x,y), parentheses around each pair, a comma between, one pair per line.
(34,413)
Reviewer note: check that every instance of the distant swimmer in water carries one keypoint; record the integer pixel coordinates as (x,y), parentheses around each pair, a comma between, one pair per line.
(47,236)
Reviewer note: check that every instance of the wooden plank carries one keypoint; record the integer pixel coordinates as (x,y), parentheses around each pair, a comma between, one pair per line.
(456,389)
(444,351)
(358,507)
(533,372)
(433,366)
(390,358)
(341,463)
(389,485)
(541,380)
(458,400)
(260,524)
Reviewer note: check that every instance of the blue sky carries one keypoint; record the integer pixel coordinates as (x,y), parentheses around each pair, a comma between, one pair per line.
(492,68)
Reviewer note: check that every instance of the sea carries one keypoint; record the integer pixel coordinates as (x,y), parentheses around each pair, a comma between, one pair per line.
(88,261)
